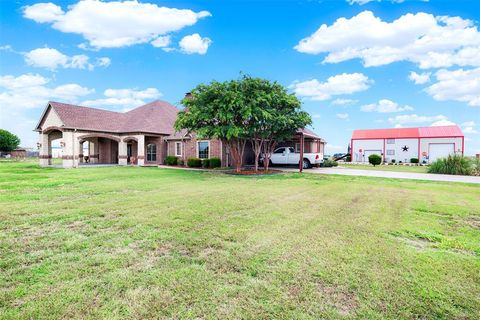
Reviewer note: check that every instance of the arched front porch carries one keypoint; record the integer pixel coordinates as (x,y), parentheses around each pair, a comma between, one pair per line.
(100,149)
(79,148)
(83,148)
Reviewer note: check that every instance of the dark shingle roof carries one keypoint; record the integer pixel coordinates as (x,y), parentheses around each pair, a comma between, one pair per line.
(155,117)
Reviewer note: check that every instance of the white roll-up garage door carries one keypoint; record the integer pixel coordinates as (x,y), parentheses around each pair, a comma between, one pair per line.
(440,150)
(369,152)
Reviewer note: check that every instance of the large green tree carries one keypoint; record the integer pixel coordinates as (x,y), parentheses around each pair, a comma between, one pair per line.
(245,110)
(217,111)
(275,115)
(8,141)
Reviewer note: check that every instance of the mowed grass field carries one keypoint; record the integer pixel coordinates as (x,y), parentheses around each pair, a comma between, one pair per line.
(139,243)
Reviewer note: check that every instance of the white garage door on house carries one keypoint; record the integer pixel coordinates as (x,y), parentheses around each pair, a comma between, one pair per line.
(440,150)
(369,152)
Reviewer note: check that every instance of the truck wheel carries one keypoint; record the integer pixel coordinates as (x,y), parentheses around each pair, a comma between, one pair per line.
(306,164)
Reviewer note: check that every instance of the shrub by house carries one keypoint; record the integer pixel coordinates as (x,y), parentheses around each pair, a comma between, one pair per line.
(375,159)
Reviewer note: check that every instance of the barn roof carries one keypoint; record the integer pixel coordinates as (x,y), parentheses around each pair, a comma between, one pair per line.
(399,133)
(155,117)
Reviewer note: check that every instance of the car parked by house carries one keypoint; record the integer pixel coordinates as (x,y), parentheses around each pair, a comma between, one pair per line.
(288,156)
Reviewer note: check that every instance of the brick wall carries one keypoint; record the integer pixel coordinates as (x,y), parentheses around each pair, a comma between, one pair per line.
(189,148)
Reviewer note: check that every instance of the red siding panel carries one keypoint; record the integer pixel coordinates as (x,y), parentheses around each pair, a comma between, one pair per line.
(399,133)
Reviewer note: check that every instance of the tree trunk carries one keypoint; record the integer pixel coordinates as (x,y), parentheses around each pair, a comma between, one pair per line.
(269,148)
(257,145)
(237,149)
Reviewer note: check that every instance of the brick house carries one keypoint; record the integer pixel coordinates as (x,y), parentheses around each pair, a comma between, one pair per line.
(142,136)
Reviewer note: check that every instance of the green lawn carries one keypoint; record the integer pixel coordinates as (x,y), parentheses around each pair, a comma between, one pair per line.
(137,243)
(400,168)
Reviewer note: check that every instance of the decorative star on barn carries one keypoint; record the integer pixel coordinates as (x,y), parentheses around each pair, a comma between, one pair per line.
(405,148)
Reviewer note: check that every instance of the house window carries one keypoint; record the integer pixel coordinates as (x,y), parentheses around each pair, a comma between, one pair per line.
(203,149)
(390,141)
(297,147)
(151,152)
(390,152)
(178,149)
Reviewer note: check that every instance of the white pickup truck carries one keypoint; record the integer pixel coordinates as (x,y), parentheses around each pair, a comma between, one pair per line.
(288,156)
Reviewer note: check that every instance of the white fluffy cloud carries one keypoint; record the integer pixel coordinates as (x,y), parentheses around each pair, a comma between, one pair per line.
(443,122)
(343,116)
(194,43)
(114,24)
(342,84)
(161,42)
(385,105)
(469,127)
(457,85)
(31,91)
(419,78)
(415,119)
(343,102)
(424,39)
(103,62)
(362,2)
(125,98)
(52,59)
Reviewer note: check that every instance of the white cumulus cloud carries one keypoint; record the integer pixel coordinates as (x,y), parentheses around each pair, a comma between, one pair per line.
(343,116)
(161,42)
(443,122)
(419,78)
(362,2)
(422,38)
(457,85)
(31,91)
(342,84)
(194,43)
(52,59)
(343,102)
(125,98)
(415,119)
(468,127)
(104,61)
(114,24)
(385,105)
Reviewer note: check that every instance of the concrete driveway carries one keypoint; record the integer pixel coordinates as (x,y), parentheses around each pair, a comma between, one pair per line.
(389,174)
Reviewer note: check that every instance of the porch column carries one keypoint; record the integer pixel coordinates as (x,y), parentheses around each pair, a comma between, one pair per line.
(141,150)
(93,150)
(122,153)
(68,149)
(80,152)
(45,156)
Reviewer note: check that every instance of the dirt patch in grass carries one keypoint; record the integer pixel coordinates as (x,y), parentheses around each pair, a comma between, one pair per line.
(473,222)
(417,243)
(424,243)
(344,301)
(164,249)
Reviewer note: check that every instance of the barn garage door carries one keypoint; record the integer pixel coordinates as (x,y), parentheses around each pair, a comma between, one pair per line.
(369,152)
(440,150)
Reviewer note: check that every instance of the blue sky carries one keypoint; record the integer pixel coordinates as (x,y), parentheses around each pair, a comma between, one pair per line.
(355,64)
